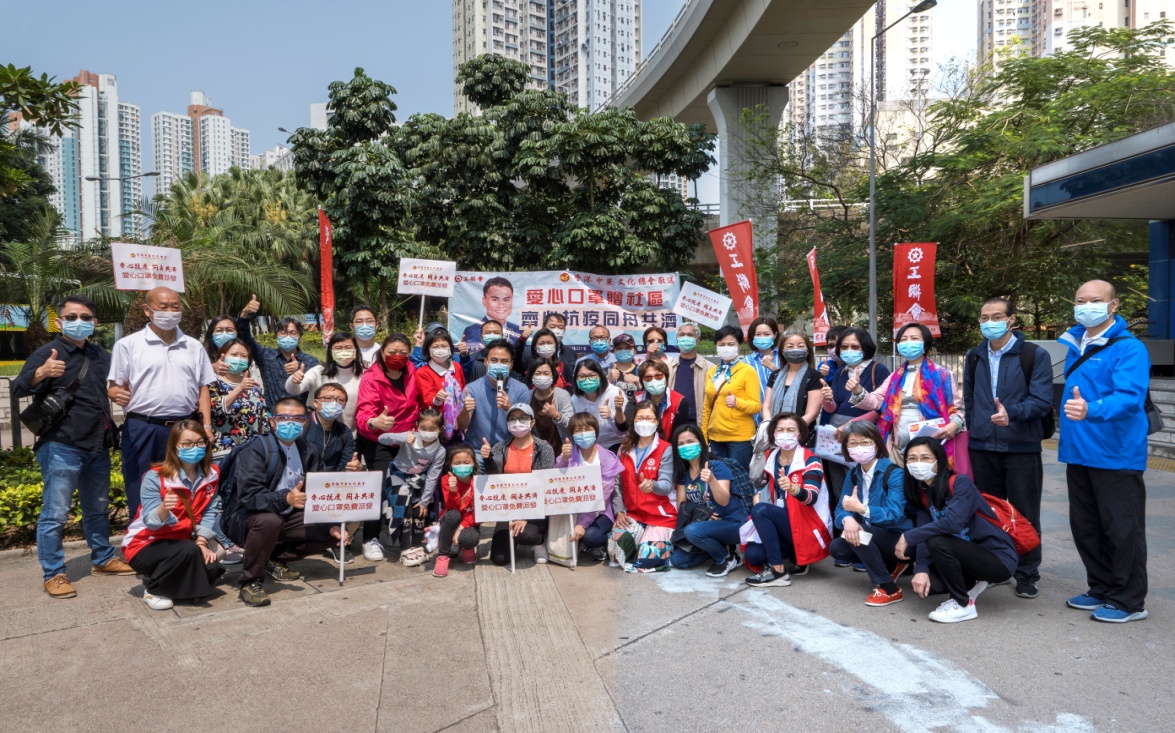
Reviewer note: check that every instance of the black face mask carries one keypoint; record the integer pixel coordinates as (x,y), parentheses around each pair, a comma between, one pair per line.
(795,356)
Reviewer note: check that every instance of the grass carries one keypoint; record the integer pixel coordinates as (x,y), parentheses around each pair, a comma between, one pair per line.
(10,368)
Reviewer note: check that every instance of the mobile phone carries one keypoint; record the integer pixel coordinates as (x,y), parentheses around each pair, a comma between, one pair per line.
(866,537)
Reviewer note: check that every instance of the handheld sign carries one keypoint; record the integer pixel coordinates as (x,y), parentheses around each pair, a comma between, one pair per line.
(425,278)
(143,267)
(701,305)
(342,496)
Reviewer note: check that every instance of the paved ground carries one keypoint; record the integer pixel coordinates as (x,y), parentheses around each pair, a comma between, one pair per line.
(553,649)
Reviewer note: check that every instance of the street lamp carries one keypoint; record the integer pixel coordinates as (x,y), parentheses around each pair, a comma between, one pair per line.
(149,174)
(919,8)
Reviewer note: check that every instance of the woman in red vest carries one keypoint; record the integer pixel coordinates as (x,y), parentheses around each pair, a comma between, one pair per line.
(672,407)
(170,540)
(640,540)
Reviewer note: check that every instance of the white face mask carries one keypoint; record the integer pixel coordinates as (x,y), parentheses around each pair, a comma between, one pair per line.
(922,471)
(545,350)
(558,333)
(520,428)
(344,357)
(428,436)
(542,381)
(727,353)
(787,441)
(440,354)
(645,428)
(166,320)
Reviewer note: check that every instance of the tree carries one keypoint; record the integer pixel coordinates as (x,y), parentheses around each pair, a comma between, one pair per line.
(36,272)
(41,99)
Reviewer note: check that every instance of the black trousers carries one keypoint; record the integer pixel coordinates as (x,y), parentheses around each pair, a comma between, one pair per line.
(878,556)
(175,569)
(534,533)
(1019,478)
(834,477)
(280,537)
(956,565)
(376,457)
(1107,514)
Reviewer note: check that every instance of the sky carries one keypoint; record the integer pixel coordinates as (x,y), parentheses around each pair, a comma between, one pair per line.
(265,61)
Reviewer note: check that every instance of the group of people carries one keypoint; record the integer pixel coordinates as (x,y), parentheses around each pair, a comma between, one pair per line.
(701,460)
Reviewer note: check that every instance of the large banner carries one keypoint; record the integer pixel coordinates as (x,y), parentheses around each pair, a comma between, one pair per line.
(819,312)
(913,286)
(735,250)
(518,300)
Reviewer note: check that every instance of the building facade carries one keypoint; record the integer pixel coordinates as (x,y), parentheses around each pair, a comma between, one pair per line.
(280,157)
(171,148)
(130,169)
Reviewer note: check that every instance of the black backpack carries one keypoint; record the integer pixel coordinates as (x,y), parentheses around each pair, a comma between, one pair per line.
(228,465)
(740,485)
(1027,364)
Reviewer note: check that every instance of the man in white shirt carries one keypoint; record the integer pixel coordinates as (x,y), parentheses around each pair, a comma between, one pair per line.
(158,376)
(364,326)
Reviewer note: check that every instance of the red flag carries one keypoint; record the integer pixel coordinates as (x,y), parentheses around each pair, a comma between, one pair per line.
(733,245)
(819,312)
(327,287)
(913,286)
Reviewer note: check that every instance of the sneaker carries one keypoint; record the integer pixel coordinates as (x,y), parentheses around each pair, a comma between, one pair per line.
(950,612)
(898,570)
(769,578)
(880,598)
(232,558)
(113,566)
(156,603)
(841,564)
(799,570)
(412,557)
(1025,588)
(373,550)
(339,556)
(979,587)
(720,569)
(1085,602)
(253,594)
(1002,582)
(441,567)
(1113,615)
(469,557)
(540,554)
(280,571)
(59,587)
(859,567)
(599,554)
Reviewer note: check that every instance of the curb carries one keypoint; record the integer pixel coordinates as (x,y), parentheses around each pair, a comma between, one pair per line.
(115,541)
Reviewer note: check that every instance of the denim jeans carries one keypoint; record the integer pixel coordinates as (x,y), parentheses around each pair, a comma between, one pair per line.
(738,452)
(708,538)
(63,469)
(596,534)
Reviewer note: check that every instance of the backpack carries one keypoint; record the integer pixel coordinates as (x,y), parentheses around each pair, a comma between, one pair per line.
(1027,364)
(1154,418)
(228,465)
(1023,534)
(740,484)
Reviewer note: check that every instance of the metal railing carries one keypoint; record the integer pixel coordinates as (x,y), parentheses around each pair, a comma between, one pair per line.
(685,9)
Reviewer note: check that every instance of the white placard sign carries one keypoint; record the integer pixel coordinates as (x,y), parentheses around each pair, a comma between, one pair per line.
(143,267)
(426,277)
(342,496)
(703,306)
(827,446)
(573,490)
(538,494)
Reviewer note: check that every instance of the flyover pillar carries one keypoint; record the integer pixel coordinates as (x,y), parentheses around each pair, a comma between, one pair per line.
(727,105)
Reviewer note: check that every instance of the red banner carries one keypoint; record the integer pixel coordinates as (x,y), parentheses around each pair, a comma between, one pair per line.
(733,245)
(913,286)
(327,285)
(819,312)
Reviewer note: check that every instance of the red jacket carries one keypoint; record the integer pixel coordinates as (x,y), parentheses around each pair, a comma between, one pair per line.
(139,535)
(428,383)
(460,500)
(671,401)
(651,508)
(376,393)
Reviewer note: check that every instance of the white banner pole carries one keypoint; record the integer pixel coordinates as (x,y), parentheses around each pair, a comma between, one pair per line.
(422,299)
(511,531)
(342,550)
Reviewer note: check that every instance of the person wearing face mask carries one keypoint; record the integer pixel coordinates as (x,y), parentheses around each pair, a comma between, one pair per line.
(457,524)
(1104,427)
(797,387)
(473,362)
(655,339)
(917,390)
(343,366)
(158,376)
(171,541)
(546,343)
(484,404)
(276,364)
(264,511)
(600,342)
(828,367)
(591,529)
(672,408)
(624,371)
(688,370)
(75,452)
(871,513)
(732,401)
(708,513)
(764,357)
(238,402)
(412,481)
(326,431)
(220,331)
(790,514)
(551,404)
(522,453)
(592,393)
(1007,393)
(954,547)
(364,326)
(441,382)
(641,539)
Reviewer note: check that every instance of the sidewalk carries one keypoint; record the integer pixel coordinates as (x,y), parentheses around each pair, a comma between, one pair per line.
(591,649)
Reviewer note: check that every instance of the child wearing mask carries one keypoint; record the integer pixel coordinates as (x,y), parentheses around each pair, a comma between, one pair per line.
(457,526)
(411,482)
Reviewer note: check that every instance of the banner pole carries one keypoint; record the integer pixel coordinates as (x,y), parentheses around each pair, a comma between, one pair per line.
(511,549)
(342,550)
(422,299)
(574,544)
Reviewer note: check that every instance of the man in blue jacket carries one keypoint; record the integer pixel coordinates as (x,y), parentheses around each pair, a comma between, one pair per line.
(1007,393)
(1103,441)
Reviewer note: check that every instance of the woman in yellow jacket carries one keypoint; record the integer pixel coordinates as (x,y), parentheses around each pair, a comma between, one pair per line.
(732,401)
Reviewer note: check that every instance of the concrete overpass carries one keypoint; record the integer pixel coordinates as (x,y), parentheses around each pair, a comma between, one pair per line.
(722,56)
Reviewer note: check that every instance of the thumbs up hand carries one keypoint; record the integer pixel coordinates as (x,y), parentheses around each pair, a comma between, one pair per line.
(485,448)
(120,394)
(299,374)
(383,423)
(1001,414)
(1076,408)
(469,403)
(852,504)
(706,475)
(354,464)
(825,391)
(296,497)
(52,368)
(566,449)
(462,347)
(251,309)
(618,402)
(731,400)
(853,384)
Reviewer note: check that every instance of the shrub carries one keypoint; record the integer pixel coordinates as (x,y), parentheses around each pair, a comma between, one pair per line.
(20,491)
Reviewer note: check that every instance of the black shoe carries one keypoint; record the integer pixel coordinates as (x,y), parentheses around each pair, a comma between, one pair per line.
(337,555)
(720,569)
(279,571)
(253,594)
(1025,588)
(768,578)
(799,570)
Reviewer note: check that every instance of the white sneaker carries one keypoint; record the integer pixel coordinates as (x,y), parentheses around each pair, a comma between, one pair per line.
(156,603)
(540,554)
(951,612)
(978,588)
(373,550)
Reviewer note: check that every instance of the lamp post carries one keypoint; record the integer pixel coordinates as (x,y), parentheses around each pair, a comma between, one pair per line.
(148,174)
(919,8)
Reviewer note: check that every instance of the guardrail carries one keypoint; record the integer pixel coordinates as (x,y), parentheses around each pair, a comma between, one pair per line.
(12,433)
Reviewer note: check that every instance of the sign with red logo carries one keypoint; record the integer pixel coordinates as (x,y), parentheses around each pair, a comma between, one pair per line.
(426,277)
(819,312)
(734,246)
(342,496)
(913,286)
(702,306)
(143,267)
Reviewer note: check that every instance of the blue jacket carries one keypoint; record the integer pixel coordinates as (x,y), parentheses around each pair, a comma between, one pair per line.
(1115,383)
(1027,403)
(960,518)
(488,420)
(887,504)
(872,376)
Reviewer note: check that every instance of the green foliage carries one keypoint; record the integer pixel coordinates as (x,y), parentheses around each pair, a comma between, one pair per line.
(37,271)
(492,80)
(21,486)
(35,98)
(29,186)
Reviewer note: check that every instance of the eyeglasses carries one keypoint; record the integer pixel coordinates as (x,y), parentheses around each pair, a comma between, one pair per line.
(339,400)
(290,418)
(860,444)
(985,319)
(192,444)
(74,316)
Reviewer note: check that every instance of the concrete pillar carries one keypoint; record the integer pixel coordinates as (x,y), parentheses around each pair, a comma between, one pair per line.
(727,105)
(1162,276)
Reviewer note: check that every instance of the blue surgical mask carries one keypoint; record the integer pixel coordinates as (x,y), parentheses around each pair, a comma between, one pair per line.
(331,410)
(689,451)
(498,371)
(1091,315)
(600,346)
(236,364)
(762,343)
(192,456)
(687,343)
(585,439)
(221,338)
(911,350)
(490,338)
(287,343)
(993,330)
(852,358)
(624,356)
(655,386)
(287,430)
(365,331)
(78,330)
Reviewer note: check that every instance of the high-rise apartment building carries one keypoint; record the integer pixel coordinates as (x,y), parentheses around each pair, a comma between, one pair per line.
(1007,24)
(279,157)
(171,148)
(584,48)
(202,140)
(130,168)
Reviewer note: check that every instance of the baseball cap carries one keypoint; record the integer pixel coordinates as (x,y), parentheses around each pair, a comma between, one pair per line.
(521,406)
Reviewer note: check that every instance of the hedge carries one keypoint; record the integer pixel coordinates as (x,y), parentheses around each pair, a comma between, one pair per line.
(20,491)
